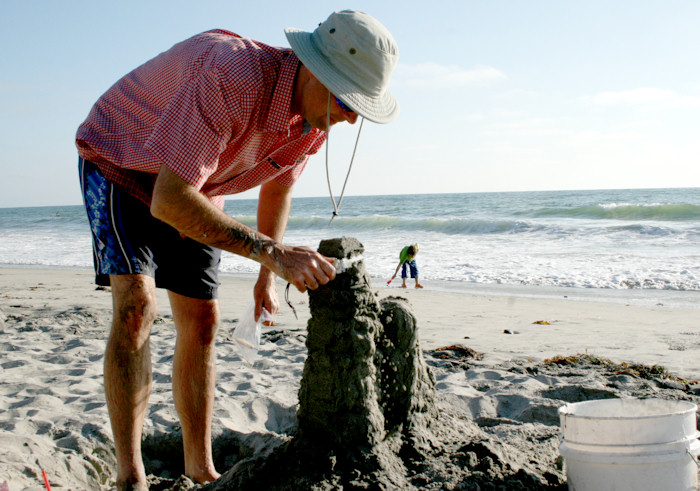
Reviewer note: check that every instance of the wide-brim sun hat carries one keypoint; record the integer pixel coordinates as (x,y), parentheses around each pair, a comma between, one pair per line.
(352,54)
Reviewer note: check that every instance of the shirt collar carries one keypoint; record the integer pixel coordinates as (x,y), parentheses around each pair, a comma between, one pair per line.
(280,119)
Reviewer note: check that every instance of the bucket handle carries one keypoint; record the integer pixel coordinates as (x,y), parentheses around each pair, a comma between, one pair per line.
(694,454)
(693,457)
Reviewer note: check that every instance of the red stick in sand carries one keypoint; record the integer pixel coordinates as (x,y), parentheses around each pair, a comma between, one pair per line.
(46,480)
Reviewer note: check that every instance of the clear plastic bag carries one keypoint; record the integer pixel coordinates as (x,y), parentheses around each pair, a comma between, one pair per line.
(247,333)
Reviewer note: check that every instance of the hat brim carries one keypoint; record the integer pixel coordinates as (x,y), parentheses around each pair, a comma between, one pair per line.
(382,109)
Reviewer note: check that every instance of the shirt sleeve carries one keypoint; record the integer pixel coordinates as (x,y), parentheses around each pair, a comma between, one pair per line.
(193,130)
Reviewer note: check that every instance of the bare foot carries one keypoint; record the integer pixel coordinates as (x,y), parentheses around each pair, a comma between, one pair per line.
(205,477)
(419,286)
(403,286)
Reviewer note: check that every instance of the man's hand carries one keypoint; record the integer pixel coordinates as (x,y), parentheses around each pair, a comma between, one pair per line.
(265,291)
(265,294)
(302,266)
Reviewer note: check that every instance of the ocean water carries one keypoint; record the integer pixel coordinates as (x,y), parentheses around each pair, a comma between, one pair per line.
(631,245)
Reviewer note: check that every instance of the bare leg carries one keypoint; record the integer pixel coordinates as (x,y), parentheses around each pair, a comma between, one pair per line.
(127,372)
(194,374)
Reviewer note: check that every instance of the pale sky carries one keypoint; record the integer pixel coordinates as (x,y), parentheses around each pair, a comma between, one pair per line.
(495,95)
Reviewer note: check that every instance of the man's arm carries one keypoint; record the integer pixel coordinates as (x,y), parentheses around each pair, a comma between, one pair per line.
(183,207)
(274,204)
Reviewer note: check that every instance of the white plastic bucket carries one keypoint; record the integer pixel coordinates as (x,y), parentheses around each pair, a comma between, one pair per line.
(630,444)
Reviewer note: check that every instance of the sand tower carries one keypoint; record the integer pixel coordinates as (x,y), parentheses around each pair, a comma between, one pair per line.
(366,399)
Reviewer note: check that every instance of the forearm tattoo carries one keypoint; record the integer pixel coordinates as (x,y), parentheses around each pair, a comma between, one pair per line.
(256,247)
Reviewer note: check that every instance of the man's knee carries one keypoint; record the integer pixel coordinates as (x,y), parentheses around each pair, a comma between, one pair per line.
(135,307)
(203,328)
(196,319)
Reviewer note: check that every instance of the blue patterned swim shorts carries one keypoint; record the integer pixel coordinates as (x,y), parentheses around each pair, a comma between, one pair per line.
(126,239)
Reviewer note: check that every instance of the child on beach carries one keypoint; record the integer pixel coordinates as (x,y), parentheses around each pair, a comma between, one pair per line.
(407,258)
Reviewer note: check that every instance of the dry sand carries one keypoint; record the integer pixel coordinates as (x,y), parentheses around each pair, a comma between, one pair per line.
(54,323)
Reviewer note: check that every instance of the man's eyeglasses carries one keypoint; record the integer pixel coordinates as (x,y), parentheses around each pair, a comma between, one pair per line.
(343,106)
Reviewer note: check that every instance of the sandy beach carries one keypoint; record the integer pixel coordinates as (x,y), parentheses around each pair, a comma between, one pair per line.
(54,324)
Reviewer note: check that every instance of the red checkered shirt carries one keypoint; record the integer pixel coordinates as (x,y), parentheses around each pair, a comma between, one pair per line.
(214,108)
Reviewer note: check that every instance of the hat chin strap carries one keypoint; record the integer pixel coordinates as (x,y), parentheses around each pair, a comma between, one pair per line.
(336,206)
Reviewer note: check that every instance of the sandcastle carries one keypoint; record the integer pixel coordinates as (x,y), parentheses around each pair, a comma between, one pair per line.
(366,392)
(366,400)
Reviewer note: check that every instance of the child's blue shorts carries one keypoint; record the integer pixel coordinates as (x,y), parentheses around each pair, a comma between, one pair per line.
(413,266)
